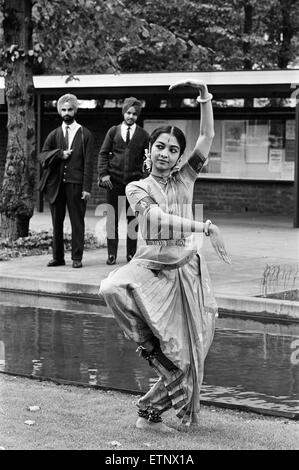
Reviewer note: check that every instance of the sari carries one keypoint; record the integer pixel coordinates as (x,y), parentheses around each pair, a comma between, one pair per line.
(164,295)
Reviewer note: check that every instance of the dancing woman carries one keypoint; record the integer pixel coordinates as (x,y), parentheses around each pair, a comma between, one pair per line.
(163,298)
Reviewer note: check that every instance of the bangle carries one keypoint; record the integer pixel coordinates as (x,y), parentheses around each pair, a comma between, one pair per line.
(201,100)
(206,229)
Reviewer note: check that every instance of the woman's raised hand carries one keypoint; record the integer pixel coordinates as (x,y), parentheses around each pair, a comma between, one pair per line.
(199,85)
(218,243)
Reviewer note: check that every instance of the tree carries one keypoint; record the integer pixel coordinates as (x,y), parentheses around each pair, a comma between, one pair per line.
(256,35)
(104,36)
(19,176)
(231,34)
(182,18)
(281,27)
(70,36)
(221,29)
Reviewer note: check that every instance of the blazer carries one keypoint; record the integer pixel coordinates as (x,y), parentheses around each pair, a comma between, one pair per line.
(50,179)
(78,168)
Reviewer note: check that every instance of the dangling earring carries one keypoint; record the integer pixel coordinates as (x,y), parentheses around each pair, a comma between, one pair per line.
(147,164)
(176,167)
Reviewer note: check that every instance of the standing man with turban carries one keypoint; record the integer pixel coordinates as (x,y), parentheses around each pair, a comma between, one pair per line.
(120,162)
(67,160)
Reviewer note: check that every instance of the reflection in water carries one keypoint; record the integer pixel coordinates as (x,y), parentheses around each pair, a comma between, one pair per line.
(37,365)
(2,356)
(93,379)
(249,363)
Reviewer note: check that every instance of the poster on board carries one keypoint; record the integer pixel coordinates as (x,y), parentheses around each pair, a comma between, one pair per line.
(257,144)
(275,160)
(234,137)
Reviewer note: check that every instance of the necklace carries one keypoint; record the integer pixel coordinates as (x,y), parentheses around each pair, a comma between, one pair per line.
(161,179)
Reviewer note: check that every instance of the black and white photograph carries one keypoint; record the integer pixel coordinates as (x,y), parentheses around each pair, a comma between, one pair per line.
(149,228)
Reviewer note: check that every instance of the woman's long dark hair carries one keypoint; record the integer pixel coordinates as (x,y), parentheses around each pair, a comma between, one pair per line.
(172,130)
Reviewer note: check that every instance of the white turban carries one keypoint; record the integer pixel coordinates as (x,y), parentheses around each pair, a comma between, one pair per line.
(68,98)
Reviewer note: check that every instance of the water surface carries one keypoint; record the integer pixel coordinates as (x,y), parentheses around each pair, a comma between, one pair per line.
(251,364)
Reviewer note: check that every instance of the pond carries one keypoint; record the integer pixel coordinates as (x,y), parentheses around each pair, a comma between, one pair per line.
(252,365)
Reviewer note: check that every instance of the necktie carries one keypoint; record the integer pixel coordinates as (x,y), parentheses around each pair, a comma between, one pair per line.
(128,135)
(66,137)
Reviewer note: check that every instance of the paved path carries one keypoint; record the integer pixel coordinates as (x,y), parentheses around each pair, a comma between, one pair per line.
(254,242)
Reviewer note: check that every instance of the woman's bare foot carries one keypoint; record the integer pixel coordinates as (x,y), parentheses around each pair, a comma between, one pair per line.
(146,425)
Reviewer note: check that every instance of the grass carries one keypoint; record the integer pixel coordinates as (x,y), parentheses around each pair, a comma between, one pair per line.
(77,418)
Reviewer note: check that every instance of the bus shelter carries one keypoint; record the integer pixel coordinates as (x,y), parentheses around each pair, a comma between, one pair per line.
(253,162)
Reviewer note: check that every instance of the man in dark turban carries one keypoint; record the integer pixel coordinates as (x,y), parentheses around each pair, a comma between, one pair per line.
(128,102)
(120,162)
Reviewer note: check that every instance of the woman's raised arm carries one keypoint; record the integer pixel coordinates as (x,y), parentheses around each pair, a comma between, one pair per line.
(206,131)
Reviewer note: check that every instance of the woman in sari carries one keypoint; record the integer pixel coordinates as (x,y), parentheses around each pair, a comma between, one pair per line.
(163,298)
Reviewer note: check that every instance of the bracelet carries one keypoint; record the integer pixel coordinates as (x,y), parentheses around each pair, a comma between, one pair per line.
(206,229)
(201,100)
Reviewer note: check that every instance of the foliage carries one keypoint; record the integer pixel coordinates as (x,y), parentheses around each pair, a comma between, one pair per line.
(111,36)
(98,36)
(281,29)
(107,36)
(187,19)
(39,243)
(234,34)
(262,34)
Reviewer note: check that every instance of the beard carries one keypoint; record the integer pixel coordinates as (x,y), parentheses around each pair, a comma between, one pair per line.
(68,119)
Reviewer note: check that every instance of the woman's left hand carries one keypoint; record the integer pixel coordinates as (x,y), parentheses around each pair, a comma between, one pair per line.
(218,243)
(199,85)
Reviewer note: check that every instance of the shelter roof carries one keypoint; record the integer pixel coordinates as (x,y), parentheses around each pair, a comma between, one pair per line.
(223,83)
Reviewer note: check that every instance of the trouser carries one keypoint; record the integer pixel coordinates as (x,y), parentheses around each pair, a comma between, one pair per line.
(69,196)
(113,216)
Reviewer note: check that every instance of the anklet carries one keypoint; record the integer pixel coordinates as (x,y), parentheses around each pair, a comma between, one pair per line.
(142,413)
(154,416)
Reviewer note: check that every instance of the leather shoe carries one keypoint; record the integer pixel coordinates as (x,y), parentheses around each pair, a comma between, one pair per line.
(77,264)
(56,262)
(111,260)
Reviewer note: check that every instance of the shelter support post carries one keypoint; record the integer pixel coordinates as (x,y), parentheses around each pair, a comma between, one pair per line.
(296,182)
(40,198)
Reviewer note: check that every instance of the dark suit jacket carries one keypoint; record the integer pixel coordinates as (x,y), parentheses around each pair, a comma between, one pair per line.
(122,162)
(51,179)
(78,168)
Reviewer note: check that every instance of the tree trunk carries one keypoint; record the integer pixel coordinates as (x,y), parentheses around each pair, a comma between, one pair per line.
(248,11)
(287,31)
(247,62)
(17,195)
